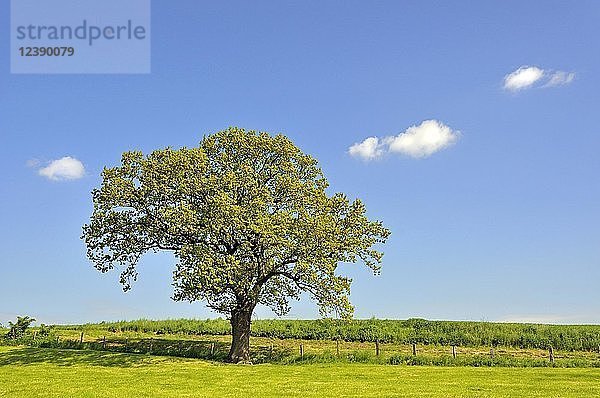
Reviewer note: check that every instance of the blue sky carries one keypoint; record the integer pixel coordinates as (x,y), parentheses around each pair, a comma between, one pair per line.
(501,224)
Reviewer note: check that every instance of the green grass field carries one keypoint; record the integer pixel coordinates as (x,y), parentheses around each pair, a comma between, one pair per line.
(187,360)
(420,331)
(323,351)
(39,372)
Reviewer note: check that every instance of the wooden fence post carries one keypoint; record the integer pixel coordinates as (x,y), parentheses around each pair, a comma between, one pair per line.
(414,347)
(81,338)
(57,339)
(301,351)
(551,354)
(212,349)
(271,351)
(377,347)
(151,344)
(454,351)
(103,342)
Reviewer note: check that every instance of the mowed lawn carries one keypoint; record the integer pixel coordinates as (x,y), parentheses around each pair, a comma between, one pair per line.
(33,372)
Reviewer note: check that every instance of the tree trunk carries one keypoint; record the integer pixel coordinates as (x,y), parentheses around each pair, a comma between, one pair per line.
(240,332)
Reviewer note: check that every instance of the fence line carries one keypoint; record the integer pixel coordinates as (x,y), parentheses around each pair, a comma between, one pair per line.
(383,353)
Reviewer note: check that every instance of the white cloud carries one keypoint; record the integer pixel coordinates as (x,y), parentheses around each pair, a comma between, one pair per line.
(66,168)
(423,140)
(530,76)
(559,78)
(417,141)
(522,78)
(369,149)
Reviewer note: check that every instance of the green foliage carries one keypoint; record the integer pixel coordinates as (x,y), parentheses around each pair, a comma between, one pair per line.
(18,329)
(247,216)
(486,361)
(420,331)
(44,330)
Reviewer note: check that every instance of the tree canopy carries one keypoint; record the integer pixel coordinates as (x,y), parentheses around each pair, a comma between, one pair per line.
(19,328)
(248,218)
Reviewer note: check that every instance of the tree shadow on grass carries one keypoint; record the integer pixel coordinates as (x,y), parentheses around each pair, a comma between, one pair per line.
(66,357)
(123,353)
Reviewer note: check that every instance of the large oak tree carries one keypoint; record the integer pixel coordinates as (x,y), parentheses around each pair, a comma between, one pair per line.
(248,218)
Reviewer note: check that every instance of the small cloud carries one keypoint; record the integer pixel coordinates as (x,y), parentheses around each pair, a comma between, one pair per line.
(66,168)
(369,149)
(533,76)
(416,141)
(560,78)
(523,77)
(423,140)
(32,163)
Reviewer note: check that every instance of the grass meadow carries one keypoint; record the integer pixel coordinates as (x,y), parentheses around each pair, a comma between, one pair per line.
(47,372)
(411,342)
(362,358)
